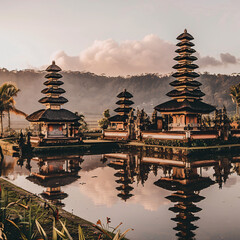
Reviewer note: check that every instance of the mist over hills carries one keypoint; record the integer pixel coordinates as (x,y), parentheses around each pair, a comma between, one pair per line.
(91,94)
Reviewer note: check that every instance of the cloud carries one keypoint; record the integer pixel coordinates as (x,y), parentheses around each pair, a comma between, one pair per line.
(149,55)
(228,58)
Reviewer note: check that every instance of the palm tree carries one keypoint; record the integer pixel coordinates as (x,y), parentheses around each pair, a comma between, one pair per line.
(7,104)
(235,94)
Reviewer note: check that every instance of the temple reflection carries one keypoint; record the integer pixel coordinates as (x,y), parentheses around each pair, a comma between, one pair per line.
(178,174)
(54,173)
(180,180)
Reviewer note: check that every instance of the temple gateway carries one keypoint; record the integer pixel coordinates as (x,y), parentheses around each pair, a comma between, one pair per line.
(54,124)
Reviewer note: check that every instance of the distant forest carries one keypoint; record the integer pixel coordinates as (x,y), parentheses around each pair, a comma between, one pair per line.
(89,93)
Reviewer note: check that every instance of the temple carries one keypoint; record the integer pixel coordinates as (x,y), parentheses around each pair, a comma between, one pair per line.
(185,109)
(119,127)
(119,121)
(54,124)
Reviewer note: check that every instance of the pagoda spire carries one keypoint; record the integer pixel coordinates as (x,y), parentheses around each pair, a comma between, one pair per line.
(186,103)
(53,100)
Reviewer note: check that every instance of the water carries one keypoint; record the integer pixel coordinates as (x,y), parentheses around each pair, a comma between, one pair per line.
(140,191)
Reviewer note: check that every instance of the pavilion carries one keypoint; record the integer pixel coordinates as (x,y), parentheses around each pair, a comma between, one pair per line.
(54,124)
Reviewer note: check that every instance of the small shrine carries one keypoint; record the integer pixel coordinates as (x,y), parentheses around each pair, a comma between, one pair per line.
(119,121)
(54,124)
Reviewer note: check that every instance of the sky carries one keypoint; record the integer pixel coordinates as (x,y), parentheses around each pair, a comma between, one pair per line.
(118,37)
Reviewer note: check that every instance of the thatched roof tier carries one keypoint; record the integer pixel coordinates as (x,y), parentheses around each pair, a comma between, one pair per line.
(125,94)
(185,57)
(123,110)
(191,208)
(53,68)
(54,182)
(53,75)
(124,188)
(188,44)
(58,196)
(53,90)
(193,107)
(189,226)
(124,196)
(185,74)
(185,235)
(187,83)
(118,118)
(189,218)
(185,36)
(60,100)
(125,102)
(186,92)
(54,83)
(50,115)
(185,50)
(185,65)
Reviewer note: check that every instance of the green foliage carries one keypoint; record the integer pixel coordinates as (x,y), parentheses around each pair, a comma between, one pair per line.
(104,122)
(235,94)
(7,104)
(192,143)
(83,126)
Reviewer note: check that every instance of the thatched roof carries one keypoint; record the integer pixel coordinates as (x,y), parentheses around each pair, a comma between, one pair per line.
(51,82)
(125,102)
(185,35)
(118,118)
(53,68)
(50,115)
(185,74)
(188,66)
(186,92)
(60,100)
(53,90)
(125,94)
(195,107)
(123,110)
(185,83)
(53,75)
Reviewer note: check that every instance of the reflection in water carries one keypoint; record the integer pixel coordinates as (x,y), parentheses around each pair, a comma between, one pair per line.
(54,172)
(187,185)
(179,180)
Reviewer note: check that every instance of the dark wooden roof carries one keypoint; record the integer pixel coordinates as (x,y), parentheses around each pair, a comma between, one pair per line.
(185,50)
(188,66)
(185,74)
(196,106)
(118,118)
(50,115)
(186,92)
(188,58)
(53,90)
(185,83)
(53,100)
(125,94)
(185,35)
(53,75)
(125,110)
(57,181)
(126,102)
(189,44)
(51,82)
(53,68)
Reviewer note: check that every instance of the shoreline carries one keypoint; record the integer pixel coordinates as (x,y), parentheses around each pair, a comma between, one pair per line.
(90,232)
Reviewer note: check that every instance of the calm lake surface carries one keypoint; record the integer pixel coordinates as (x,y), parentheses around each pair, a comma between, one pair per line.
(159,197)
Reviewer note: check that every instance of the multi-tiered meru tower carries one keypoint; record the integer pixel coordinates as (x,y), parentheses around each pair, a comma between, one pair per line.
(186,107)
(119,121)
(55,124)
